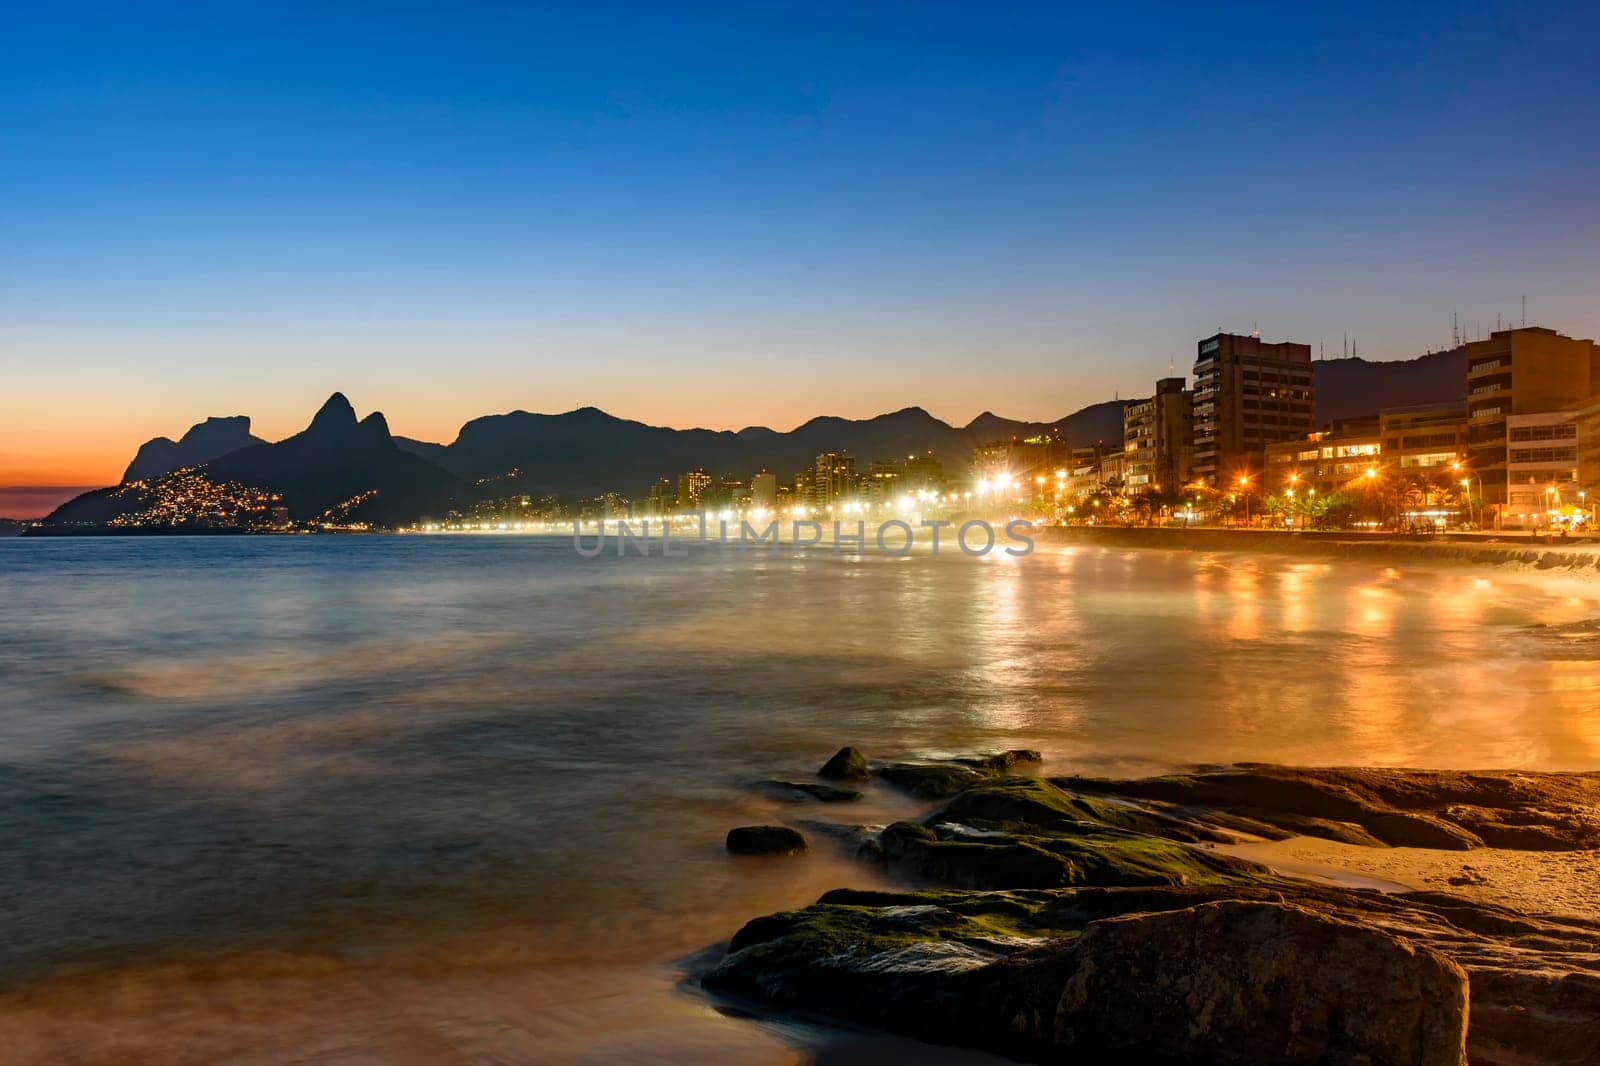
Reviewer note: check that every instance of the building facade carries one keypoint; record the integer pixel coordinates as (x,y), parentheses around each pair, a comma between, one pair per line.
(1552,466)
(1247,395)
(1427,437)
(1516,372)
(1158,439)
(1332,460)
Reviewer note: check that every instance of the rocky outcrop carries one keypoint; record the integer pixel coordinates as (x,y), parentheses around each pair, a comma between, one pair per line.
(1398,808)
(798,791)
(765,840)
(1155,974)
(929,780)
(1092,920)
(847,764)
(1027,833)
(1247,982)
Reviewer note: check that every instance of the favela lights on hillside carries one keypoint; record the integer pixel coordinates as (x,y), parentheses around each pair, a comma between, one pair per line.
(723,534)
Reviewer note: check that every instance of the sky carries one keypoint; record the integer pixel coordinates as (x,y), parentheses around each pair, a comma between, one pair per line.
(753,214)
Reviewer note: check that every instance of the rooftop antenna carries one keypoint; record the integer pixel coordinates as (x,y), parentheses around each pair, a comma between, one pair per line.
(1255,330)
(1497,321)
(1455,329)
(1347,344)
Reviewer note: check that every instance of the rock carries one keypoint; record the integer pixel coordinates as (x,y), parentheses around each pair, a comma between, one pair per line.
(1041,804)
(1398,808)
(802,790)
(929,780)
(1023,832)
(1001,761)
(847,764)
(915,851)
(1088,920)
(990,969)
(1246,982)
(765,840)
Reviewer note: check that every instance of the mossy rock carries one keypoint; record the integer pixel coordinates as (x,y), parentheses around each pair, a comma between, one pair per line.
(1001,761)
(765,840)
(914,850)
(804,790)
(929,780)
(1038,803)
(847,764)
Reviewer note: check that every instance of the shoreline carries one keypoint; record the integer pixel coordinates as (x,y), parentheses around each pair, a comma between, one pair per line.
(1442,550)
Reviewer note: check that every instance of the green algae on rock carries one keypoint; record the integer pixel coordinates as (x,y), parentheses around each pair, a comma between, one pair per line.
(765,840)
(847,764)
(1083,918)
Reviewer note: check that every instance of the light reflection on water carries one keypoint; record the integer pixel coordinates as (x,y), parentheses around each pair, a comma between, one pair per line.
(433,798)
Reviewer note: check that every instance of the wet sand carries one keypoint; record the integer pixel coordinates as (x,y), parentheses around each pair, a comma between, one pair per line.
(1537,882)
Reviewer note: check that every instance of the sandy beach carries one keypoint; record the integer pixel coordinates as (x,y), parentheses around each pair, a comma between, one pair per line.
(1565,883)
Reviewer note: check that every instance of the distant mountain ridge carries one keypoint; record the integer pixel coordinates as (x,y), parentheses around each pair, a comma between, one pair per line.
(586,451)
(576,454)
(1350,388)
(203,442)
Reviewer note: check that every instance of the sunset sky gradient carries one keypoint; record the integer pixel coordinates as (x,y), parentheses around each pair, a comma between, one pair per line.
(752,214)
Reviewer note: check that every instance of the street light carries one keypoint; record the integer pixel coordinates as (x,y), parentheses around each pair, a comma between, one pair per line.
(1459,468)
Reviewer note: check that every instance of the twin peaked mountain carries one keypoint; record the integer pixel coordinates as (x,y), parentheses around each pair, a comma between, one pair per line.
(580,453)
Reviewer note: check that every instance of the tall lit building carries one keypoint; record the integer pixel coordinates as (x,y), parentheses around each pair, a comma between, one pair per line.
(764,489)
(693,489)
(1247,395)
(663,499)
(833,479)
(885,480)
(1521,371)
(924,473)
(1158,438)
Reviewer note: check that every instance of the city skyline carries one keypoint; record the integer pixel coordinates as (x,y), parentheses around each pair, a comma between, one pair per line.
(725,220)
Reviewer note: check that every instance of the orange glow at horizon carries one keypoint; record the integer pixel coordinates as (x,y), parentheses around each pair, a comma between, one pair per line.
(53,452)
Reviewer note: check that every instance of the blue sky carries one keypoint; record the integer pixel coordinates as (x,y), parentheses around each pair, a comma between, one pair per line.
(752,214)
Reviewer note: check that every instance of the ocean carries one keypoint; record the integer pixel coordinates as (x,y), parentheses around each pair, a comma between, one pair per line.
(462,798)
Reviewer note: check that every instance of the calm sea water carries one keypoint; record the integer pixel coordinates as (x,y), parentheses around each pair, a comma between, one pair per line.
(463,798)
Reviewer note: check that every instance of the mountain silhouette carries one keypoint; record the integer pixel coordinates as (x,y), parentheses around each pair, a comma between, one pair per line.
(580,453)
(203,442)
(334,460)
(337,458)
(1351,388)
(587,451)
